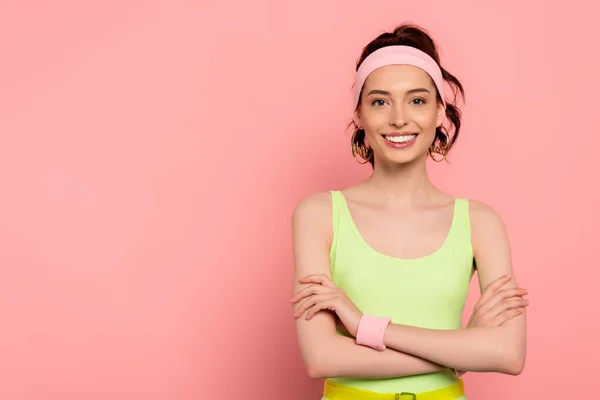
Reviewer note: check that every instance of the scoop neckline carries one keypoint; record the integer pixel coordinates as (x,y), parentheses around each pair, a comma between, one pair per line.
(398,259)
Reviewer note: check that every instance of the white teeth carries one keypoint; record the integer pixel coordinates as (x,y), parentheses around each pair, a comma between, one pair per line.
(400,139)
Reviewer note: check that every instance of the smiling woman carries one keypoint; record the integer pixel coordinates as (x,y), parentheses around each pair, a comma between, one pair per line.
(382,268)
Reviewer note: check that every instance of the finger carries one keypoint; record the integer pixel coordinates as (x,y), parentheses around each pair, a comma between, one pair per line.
(493,287)
(311,302)
(507,315)
(300,294)
(298,306)
(489,301)
(307,291)
(509,304)
(327,304)
(317,278)
(313,306)
(320,278)
(504,294)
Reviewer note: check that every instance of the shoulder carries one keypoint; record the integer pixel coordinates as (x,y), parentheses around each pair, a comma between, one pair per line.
(312,221)
(314,209)
(314,203)
(483,213)
(487,226)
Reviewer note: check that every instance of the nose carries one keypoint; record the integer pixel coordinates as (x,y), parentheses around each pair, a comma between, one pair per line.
(398,115)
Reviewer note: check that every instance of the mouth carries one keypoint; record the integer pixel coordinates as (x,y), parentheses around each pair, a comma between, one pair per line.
(399,137)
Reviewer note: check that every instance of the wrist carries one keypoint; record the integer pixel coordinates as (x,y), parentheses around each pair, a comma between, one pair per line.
(371,330)
(353,329)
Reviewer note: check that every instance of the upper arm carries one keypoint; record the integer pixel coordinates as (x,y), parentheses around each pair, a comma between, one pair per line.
(491,247)
(311,237)
(492,253)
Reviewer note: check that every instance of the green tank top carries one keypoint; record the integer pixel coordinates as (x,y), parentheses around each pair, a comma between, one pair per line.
(428,292)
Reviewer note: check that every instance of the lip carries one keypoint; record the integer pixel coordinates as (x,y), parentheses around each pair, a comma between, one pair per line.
(399,134)
(400,145)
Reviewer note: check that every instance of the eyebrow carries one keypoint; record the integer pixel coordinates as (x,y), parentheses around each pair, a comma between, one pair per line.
(386,93)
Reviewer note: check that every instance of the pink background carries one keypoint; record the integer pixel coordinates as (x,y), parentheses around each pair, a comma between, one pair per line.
(151,153)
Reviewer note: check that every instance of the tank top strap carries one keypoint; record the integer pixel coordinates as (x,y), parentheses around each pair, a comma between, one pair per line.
(337,208)
(461,225)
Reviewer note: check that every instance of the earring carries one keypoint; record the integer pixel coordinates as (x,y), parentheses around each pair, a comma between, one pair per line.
(364,152)
(437,150)
(442,148)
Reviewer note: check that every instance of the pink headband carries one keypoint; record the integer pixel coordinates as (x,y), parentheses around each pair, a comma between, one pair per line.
(393,55)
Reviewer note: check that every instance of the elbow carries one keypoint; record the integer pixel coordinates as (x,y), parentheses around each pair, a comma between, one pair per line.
(320,363)
(512,356)
(314,372)
(516,367)
(318,366)
(316,369)
(514,364)
(320,358)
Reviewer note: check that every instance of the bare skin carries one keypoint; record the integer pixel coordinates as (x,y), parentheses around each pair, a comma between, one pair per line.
(399,212)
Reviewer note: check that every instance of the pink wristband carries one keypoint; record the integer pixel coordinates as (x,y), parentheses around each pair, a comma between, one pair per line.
(370,331)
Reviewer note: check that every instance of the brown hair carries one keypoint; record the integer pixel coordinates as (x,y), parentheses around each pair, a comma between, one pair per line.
(415,36)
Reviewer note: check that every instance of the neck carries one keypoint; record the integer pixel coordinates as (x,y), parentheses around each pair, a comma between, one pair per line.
(399,186)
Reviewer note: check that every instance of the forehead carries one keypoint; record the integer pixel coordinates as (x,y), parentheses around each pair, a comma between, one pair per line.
(398,78)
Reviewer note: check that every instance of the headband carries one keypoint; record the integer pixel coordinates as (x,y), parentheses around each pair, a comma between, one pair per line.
(393,55)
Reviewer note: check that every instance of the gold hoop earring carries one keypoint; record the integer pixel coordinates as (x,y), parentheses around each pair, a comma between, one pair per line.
(364,152)
(437,150)
(442,148)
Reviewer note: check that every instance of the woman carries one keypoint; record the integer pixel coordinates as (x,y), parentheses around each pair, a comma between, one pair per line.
(382,268)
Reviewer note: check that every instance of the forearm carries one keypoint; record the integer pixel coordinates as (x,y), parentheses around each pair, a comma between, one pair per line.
(484,349)
(342,357)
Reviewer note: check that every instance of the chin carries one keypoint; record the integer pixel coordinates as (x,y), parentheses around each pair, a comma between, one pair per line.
(403,157)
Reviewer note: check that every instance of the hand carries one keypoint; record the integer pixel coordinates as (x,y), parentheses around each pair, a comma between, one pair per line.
(322,294)
(341,328)
(496,306)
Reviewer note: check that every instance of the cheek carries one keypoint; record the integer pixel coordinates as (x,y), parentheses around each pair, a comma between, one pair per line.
(371,139)
(426,120)
(374,120)
(373,127)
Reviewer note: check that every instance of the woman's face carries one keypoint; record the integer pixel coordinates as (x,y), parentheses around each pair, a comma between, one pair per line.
(399,113)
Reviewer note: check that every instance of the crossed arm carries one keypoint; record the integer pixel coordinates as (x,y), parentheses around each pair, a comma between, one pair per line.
(411,350)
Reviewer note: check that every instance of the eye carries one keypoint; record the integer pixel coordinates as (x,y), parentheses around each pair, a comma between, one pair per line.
(420,102)
(378,103)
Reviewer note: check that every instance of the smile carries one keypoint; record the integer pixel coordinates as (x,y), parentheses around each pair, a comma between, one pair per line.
(400,140)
